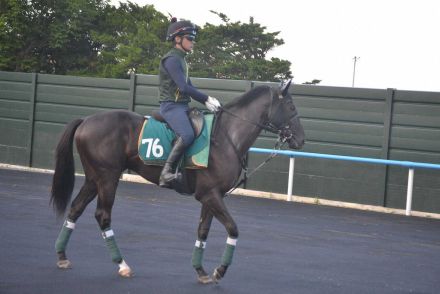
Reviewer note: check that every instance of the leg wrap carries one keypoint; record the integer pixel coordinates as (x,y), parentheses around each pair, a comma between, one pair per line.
(197,255)
(64,236)
(228,254)
(110,240)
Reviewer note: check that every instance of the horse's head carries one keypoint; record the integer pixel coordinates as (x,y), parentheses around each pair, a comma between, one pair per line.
(284,117)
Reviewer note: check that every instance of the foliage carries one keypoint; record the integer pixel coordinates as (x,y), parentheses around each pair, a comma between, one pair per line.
(235,50)
(82,37)
(133,40)
(313,82)
(47,36)
(94,38)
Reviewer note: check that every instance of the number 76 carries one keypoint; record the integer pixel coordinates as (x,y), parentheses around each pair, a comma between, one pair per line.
(153,146)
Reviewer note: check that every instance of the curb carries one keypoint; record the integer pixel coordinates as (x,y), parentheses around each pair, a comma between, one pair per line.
(262,194)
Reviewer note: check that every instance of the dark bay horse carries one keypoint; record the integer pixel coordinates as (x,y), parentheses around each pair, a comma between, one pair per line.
(107,145)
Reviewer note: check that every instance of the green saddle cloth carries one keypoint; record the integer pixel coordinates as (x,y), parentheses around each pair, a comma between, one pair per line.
(155,144)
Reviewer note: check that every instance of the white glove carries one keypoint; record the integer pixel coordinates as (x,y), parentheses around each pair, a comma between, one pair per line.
(212,104)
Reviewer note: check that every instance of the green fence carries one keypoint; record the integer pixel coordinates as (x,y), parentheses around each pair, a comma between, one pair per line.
(387,124)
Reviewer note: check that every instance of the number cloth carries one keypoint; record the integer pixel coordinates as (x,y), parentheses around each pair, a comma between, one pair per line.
(155,144)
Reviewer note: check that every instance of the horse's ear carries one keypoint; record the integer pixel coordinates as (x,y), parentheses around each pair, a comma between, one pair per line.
(285,88)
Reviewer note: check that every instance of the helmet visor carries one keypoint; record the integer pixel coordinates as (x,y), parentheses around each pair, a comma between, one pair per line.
(190,37)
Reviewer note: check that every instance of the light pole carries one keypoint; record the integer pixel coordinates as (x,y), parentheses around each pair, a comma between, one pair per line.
(355,59)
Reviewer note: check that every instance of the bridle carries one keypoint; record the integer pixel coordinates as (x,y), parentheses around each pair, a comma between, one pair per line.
(284,131)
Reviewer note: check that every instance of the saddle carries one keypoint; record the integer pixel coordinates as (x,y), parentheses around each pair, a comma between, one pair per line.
(156,139)
(155,143)
(195,116)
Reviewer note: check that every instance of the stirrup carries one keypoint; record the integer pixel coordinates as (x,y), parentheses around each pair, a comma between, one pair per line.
(172,181)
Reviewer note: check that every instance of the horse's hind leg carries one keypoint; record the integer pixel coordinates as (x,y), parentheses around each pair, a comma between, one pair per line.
(86,194)
(106,198)
(202,235)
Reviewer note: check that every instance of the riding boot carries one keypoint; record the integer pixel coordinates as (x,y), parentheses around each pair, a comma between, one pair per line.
(167,177)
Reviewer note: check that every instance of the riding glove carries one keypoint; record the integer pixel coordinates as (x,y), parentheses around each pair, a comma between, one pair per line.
(212,104)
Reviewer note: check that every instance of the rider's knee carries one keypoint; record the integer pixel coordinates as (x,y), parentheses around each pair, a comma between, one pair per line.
(188,138)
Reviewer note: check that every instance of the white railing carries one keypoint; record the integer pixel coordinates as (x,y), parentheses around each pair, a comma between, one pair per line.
(410,165)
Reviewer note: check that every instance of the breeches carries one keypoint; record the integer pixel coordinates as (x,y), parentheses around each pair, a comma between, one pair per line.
(176,115)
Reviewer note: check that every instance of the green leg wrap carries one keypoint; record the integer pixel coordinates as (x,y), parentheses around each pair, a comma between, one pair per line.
(63,239)
(197,257)
(228,254)
(112,246)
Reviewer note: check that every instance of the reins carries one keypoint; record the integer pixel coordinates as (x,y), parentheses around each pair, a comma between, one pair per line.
(267,127)
(279,143)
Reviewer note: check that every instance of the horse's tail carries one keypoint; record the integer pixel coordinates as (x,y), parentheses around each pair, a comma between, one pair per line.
(64,176)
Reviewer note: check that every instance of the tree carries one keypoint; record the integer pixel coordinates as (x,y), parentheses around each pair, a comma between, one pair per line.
(94,38)
(235,50)
(47,36)
(17,39)
(313,82)
(80,37)
(132,38)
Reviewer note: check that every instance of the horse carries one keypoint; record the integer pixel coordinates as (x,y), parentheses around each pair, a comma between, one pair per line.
(107,146)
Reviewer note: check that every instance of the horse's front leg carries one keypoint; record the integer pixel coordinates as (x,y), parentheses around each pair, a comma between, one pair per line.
(202,235)
(218,208)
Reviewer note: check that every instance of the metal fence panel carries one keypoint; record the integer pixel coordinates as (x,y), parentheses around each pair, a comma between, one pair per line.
(388,124)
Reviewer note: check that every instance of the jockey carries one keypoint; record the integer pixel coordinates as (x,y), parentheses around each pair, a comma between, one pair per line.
(176,91)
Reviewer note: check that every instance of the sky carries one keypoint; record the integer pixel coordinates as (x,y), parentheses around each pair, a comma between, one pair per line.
(397,42)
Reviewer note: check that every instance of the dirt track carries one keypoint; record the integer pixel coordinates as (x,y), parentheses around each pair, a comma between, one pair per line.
(283,247)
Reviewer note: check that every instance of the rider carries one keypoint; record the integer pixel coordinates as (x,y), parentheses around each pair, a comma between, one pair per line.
(176,91)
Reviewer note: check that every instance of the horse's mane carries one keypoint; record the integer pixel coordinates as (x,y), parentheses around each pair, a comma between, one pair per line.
(247,97)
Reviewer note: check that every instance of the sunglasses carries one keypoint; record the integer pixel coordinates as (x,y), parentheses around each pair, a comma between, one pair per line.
(190,37)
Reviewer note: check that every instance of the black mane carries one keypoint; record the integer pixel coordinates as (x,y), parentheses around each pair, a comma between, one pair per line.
(247,97)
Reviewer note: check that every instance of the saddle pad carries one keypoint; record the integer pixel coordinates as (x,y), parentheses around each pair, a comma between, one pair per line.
(155,144)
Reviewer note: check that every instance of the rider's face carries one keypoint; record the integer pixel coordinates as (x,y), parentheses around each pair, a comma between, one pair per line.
(187,42)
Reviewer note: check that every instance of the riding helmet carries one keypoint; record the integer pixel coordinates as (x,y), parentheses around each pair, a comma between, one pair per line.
(180,28)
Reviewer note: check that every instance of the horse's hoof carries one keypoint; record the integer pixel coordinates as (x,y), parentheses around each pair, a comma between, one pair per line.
(204,279)
(124,270)
(64,264)
(216,276)
(125,273)
(202,276)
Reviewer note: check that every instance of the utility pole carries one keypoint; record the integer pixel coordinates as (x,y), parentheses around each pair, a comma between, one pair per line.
(355,59)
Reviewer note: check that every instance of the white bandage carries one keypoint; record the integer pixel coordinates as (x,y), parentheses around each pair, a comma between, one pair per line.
(108,234)
(69,225)
(231,241)
(200,244)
